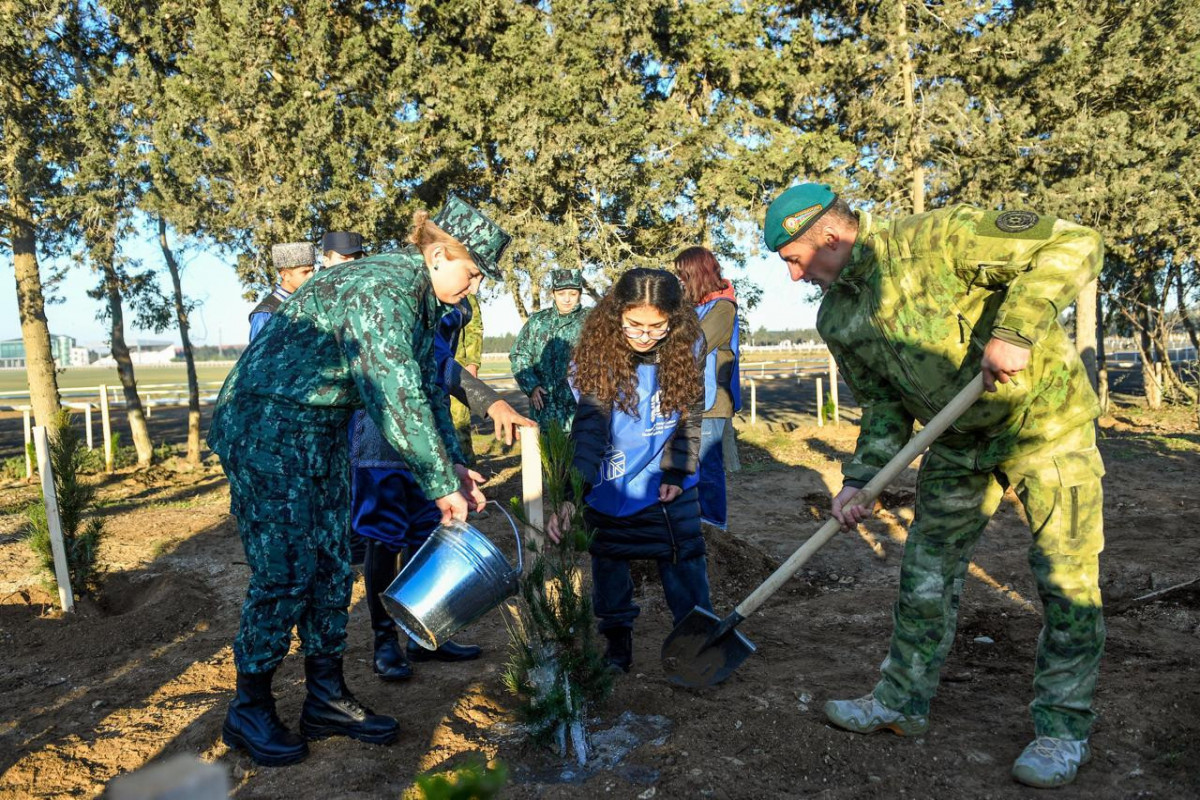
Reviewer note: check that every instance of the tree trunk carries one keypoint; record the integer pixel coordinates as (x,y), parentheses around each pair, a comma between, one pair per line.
(1188,325)
(31,304)
(120,352)
(193,439)
(910,157)
(1152,387)
(1086,329)
(1101,357)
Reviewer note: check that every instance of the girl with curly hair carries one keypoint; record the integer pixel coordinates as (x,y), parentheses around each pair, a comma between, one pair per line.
(637,445)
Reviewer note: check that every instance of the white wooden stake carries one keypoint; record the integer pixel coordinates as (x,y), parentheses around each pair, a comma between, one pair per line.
(61,574)
(28,439)
(820,403)
(833,387)
(753,402)
(106,429)
(531,481)
(87,417)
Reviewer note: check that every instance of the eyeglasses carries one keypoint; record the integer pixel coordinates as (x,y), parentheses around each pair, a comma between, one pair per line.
(645,333)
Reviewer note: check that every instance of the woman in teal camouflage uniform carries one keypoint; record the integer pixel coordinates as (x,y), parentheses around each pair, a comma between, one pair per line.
(359,336)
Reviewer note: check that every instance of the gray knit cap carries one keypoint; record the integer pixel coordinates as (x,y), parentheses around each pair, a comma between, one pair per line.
(293,254)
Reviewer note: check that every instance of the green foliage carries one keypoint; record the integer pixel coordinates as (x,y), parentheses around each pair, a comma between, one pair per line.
(828,410)
(13,469)
(555,666)
(82,536)
(474,780)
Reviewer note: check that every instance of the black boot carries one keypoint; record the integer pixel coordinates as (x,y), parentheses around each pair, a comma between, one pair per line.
(619,653)
(252,724)
(330,709)
(390,661)
(446,652)
(379,570)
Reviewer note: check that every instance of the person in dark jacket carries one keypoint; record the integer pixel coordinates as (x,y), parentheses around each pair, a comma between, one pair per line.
(295,263)
(637,446)
(716,306)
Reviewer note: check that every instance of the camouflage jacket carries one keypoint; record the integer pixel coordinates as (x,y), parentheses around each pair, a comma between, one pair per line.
(542,352)
(359,336)
(908,318)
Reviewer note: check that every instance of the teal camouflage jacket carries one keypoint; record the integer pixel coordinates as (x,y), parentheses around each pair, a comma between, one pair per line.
(358,336)
(541,356)
(908,318)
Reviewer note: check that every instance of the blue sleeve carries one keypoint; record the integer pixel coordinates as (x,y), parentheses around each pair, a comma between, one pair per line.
(257,320)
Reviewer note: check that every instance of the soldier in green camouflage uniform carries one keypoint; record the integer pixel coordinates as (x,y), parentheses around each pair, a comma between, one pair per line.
(542,352)
(913,309)
(359,336)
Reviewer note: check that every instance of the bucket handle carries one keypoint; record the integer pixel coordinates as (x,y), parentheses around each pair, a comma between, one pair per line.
(520,545)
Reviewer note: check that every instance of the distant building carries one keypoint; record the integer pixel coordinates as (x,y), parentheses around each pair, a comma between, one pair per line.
(62,348)
(145,353)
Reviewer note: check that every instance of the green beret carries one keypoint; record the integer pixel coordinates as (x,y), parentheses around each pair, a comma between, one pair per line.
(566,279)
(794,212)
(484,238)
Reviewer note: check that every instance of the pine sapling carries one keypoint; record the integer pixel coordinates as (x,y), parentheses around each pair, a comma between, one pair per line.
(555,666)
(76,500)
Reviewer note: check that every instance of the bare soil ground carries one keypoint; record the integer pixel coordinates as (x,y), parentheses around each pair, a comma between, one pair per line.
(146,671)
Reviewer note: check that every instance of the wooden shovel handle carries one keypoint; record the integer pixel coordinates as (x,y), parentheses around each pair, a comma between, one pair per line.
(866,495)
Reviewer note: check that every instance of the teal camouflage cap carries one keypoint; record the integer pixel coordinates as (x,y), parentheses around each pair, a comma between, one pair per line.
(484,238)
(293,254)
(566,279)
(794,212)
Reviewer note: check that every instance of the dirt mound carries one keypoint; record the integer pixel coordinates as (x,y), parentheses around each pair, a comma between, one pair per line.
(152,594)
(735,566)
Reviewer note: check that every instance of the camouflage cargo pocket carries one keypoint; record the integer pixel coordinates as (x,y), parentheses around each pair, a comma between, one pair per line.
(1079,505)
(266,498)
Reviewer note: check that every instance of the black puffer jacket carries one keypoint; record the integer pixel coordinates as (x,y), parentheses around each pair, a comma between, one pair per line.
(661,530)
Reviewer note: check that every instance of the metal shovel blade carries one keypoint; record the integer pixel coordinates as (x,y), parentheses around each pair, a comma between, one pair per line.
(704,650)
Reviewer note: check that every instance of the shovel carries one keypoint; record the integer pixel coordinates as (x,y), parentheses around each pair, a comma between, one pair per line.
(704,650)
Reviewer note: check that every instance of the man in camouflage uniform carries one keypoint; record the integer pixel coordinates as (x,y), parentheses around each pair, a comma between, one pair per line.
(359,336)
(913,309)
(542,352)
(295,263)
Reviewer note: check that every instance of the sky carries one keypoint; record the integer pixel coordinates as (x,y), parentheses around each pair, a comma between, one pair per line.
(221,317)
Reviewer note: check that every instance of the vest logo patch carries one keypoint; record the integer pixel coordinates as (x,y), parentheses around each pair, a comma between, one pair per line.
(614,465)
(796,221)
(1016,221)
(658,423)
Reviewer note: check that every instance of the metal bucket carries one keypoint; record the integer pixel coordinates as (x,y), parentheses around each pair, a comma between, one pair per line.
(455,578)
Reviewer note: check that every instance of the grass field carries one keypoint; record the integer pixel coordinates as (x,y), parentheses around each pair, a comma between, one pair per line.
(75,378)
(13,380)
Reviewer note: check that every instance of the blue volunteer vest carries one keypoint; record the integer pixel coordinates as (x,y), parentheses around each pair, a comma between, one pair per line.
(630,473)
(710,361)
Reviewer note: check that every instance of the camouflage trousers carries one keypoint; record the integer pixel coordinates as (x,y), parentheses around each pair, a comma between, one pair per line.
(294,531)
(460,415)
(1059,487)
(556,408)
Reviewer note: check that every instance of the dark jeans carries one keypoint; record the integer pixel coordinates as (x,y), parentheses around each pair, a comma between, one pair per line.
(685,584)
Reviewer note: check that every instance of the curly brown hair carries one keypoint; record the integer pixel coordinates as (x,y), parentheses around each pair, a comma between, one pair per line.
(605,364)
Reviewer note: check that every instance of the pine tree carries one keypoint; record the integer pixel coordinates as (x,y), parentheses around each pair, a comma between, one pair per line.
(34,74)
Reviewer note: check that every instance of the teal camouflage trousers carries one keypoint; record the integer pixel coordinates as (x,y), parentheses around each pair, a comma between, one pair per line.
(1059,487)
(294,531)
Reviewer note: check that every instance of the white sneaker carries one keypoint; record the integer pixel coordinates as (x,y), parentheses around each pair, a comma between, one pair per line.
(867,715)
